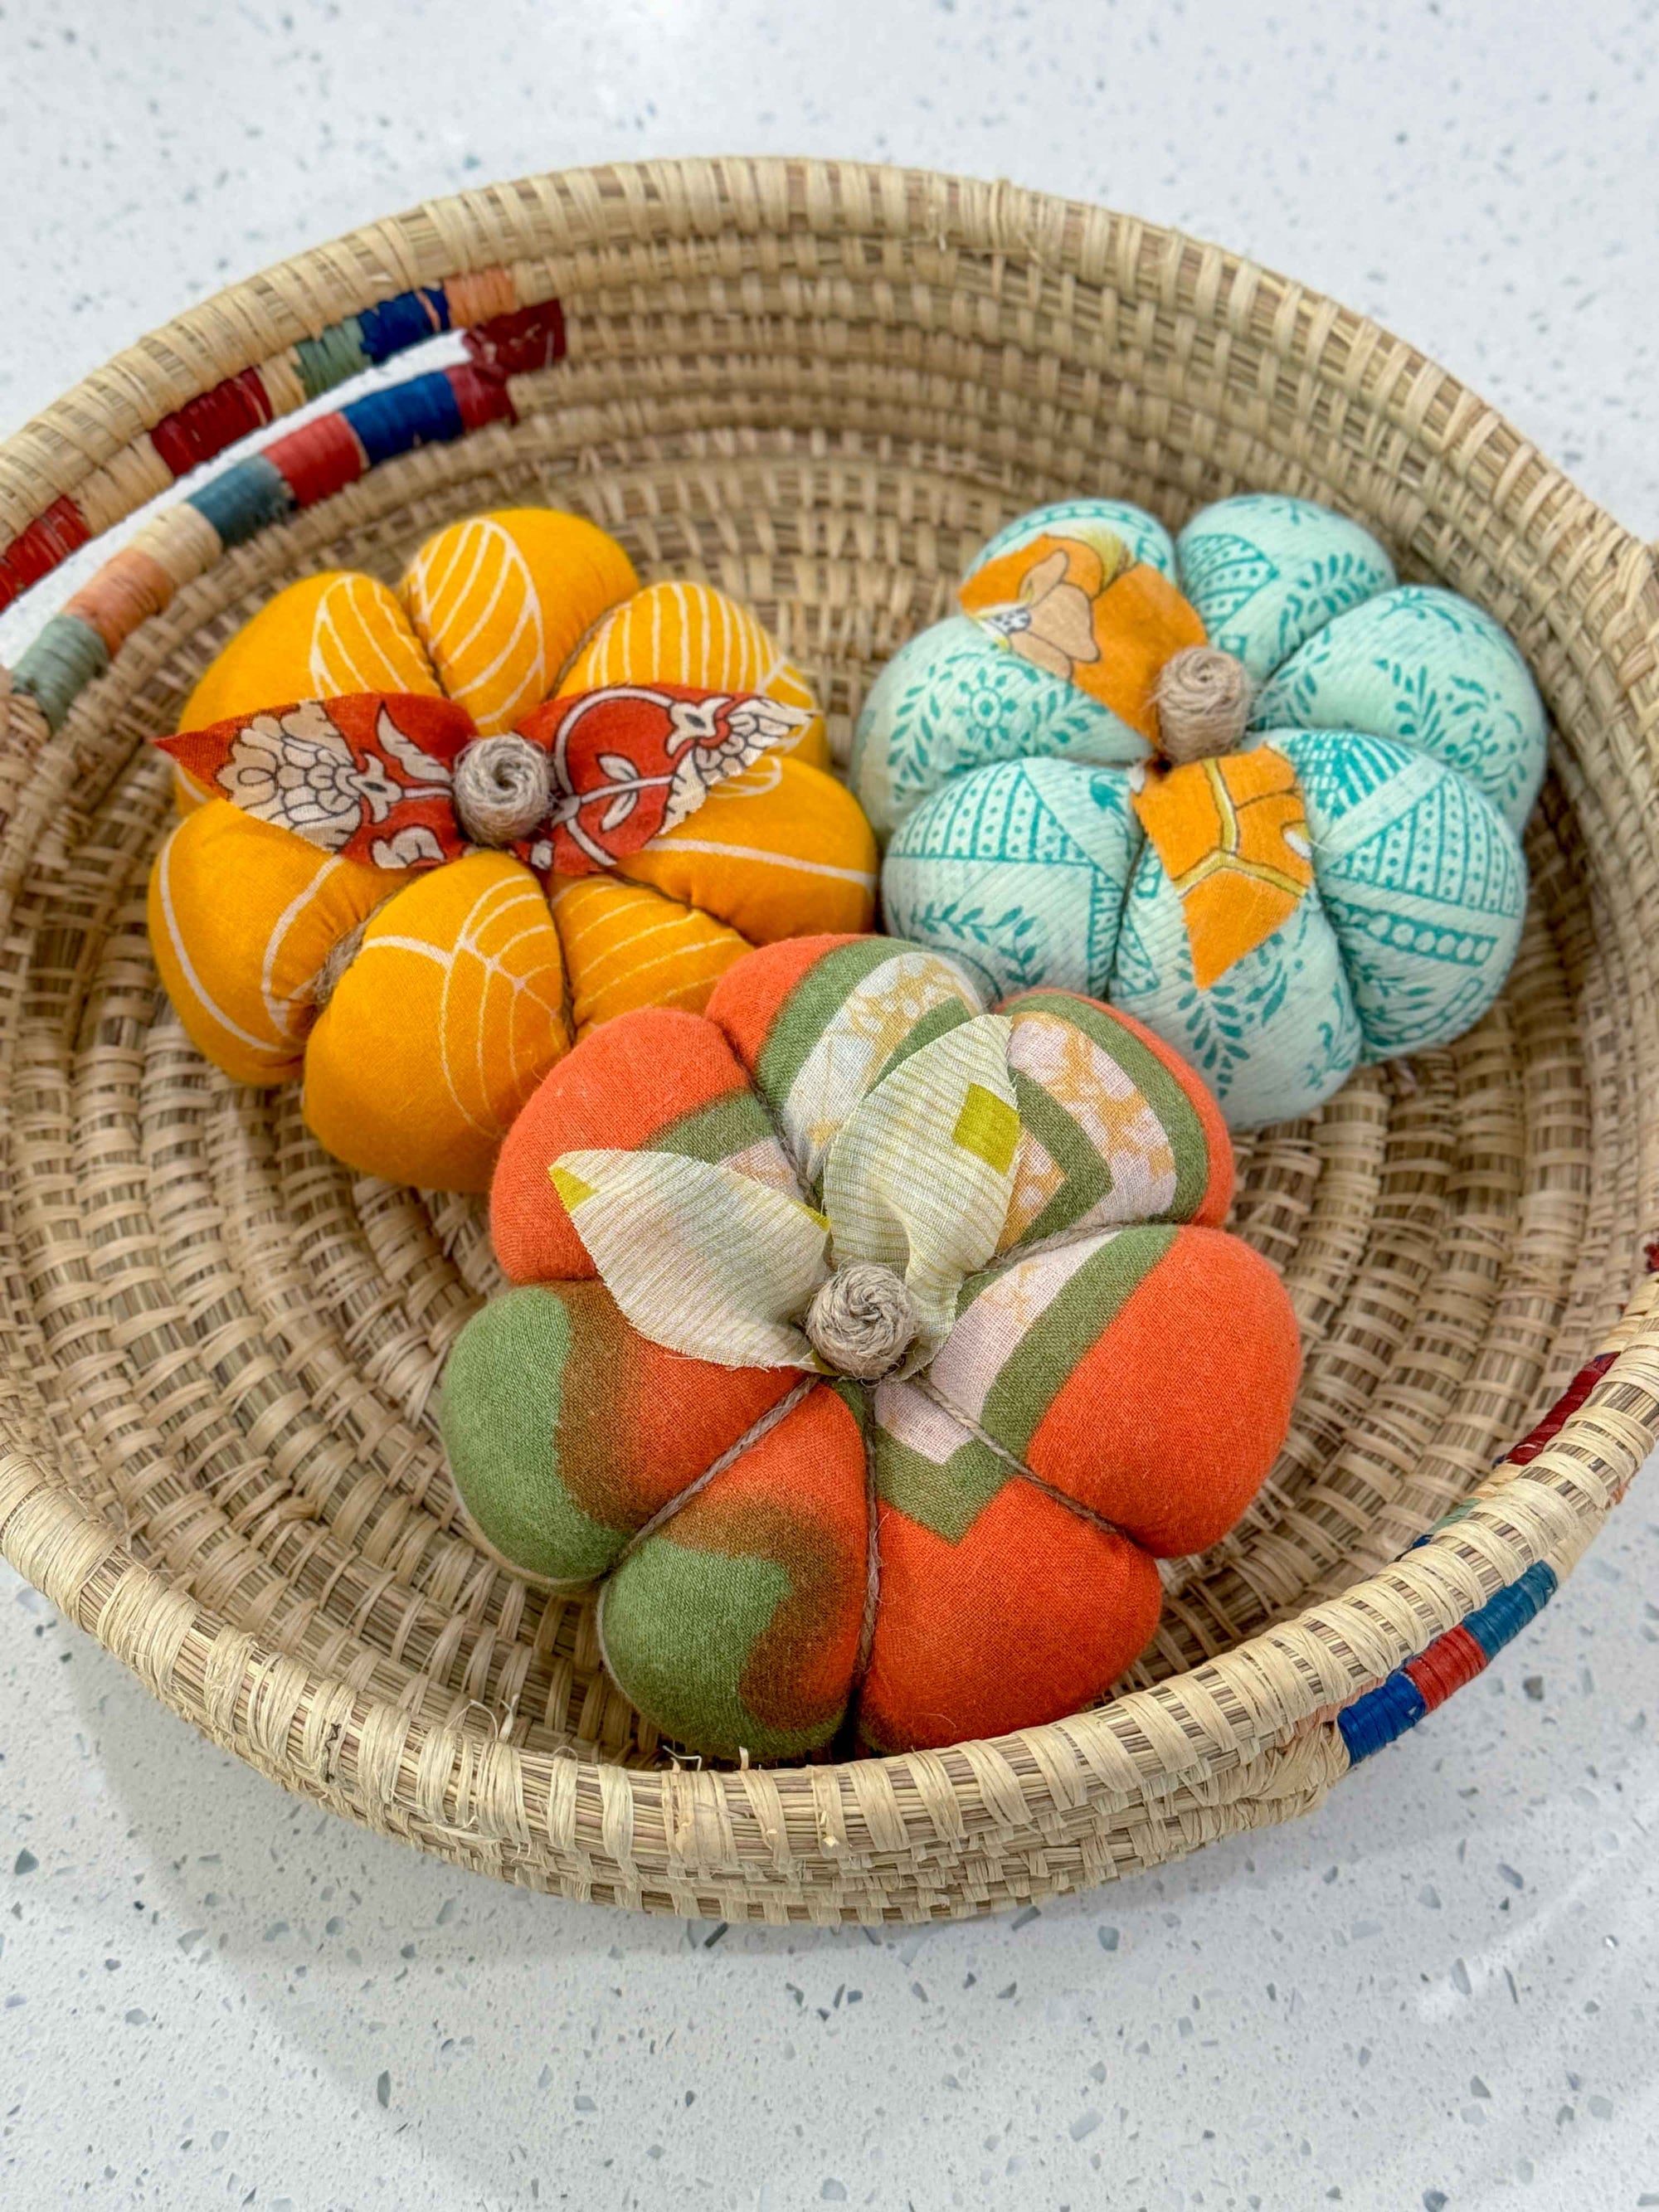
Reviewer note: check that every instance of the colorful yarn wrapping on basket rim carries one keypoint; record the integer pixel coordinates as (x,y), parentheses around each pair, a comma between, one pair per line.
(509,337)
(1456,1656)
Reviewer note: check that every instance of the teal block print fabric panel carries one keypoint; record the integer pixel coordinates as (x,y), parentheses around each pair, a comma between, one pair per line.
(953,699)
(1421,879)
(1276,1037)
(1142,534)
(1019,871)
(1265,574)
(1429,667)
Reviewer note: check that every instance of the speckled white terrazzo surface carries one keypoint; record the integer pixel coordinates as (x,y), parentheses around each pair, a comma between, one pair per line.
(1440,1992)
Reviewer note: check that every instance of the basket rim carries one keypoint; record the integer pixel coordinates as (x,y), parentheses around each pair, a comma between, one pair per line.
(312,1727)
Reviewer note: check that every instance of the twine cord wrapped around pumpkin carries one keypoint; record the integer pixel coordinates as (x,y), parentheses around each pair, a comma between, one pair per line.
(1202,698)
(503,788)
(338,957)
(861,1323)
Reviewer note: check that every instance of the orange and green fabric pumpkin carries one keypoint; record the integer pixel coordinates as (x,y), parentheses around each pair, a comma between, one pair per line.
(869,1346)
(432,835)
(1242,783)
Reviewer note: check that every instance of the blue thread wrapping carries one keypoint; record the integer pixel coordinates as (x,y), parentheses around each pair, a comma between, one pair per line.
(423,412)
(1381,1714)
(1502,1618)
(1394,1706)
(246,500)
(397,324)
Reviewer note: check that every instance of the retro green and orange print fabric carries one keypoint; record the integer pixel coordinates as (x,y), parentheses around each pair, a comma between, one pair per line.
(868,1347)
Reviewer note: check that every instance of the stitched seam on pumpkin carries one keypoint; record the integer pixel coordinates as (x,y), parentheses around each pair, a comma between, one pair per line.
(579,649)
(1009,1458)
(753,1435)
(871,1556)
(335,961)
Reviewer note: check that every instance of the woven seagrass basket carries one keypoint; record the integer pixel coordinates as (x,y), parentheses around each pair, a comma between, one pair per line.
(820,385)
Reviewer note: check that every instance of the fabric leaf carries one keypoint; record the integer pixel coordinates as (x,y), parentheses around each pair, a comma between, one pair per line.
(700,1257)
(920,1177)
(632,760)
(367,776)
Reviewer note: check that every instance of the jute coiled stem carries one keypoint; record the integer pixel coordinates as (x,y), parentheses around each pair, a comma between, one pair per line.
(821,386)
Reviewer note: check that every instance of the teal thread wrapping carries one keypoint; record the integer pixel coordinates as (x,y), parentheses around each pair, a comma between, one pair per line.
(67,656)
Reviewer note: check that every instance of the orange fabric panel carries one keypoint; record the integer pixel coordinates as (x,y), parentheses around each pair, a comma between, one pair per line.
(441,1027)
(1034,1613)
(321,638)
(626,945)
(1232,834)
(780,851)
(629,1082)
(1108,632)
(797,1495)
(241,918)
(502,601)
(1200,1367)
(666,1417)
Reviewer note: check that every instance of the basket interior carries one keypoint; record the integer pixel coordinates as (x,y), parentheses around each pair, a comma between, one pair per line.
(230,1344)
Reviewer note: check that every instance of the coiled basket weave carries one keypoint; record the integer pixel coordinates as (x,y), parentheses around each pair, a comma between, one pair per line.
(820,385)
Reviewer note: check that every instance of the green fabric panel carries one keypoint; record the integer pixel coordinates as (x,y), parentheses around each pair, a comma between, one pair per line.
(715,1132)
(947,1499)
(1176,1112)
(804,1015)
(499,1415)
(1036,1370)
(855,1397)
(1088,1179)
(678,1625)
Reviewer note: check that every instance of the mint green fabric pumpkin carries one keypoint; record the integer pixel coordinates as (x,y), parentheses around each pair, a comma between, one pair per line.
(1043,824)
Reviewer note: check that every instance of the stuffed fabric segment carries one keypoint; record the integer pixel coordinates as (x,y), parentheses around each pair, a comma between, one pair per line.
(872,1342)
(1242,784)
(431,835)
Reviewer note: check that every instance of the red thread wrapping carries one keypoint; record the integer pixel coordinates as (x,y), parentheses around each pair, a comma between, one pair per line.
(1562,1411)
(515,345)
(36,551)
(480,394)
(1450,1661)
(204,426)
(319,461)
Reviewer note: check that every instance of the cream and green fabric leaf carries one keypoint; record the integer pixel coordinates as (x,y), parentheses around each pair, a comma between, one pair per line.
(1343,883)
(702,1257)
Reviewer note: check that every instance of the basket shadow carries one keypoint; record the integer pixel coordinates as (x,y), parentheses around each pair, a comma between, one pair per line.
(369,1960)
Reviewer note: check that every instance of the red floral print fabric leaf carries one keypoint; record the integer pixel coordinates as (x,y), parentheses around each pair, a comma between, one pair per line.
(632,760)
(367,776)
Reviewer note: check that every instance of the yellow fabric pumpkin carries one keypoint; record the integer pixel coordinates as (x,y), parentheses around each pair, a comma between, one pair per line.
(423,1006)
